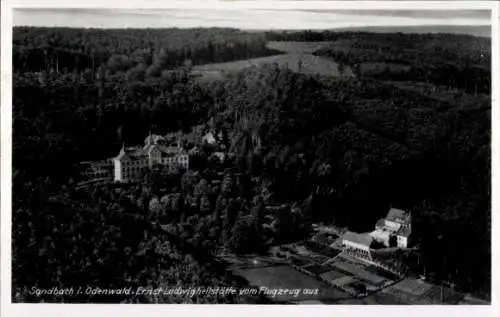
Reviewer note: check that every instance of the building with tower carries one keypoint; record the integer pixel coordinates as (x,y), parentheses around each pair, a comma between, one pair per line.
(133,162)
(394,230)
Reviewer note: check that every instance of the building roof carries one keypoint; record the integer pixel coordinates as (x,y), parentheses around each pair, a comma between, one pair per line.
(381,234)
(397,215)
(168,149)
(209,138)
(363,238)
(100,163)
(152,142)
(123,155)
(154,139)
(380,223)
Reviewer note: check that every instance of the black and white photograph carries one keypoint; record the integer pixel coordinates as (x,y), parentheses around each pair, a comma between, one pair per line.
(256,156)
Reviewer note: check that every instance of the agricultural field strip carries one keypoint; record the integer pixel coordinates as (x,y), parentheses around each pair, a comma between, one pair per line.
(344,280)
(359,272)
(332,275)
(413,286)
(431,294)
(286,277)
(317,269)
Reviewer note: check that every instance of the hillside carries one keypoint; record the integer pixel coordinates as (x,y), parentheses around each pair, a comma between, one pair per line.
(474,30)
(458,61)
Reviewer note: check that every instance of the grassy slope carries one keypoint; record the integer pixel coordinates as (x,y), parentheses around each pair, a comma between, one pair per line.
(294,51)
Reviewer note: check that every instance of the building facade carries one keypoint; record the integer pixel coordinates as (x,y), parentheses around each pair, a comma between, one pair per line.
(394,230)
(357,244)
(132,163)
(96,170)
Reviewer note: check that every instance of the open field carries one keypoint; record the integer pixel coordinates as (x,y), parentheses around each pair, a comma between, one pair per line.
(311,64)
(413,286)
(317,269)
(297,47)
(332,275)
(344,280)
(297,56)
(243,262)
(380,298)
(359,272)
(284,277)
(417,292)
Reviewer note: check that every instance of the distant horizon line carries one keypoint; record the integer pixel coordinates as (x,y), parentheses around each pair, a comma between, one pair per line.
(334,29)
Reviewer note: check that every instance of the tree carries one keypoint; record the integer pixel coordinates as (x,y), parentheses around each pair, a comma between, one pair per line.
(228,184)
(257,215)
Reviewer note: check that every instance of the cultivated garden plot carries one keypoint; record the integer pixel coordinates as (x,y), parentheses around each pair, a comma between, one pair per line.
(358,271)
(285,277)
(417,292)
(333,275)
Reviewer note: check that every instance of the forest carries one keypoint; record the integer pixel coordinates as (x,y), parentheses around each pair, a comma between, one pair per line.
(340,151)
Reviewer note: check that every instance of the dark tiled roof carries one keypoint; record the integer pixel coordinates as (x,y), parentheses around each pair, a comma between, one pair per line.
(380,223)
(168,149)
(396,215)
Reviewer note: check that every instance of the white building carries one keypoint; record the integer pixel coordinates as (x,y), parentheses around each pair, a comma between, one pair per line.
(132,162)
(356,241)
(394,229)
(209,138)
(96,169)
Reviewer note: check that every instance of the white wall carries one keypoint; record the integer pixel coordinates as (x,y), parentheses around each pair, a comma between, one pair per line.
(354,245)
(402,242)
(117,170)
(394,226)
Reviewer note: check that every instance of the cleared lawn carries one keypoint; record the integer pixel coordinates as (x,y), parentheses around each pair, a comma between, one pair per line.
(284,277)
(297,47)
(310,65)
